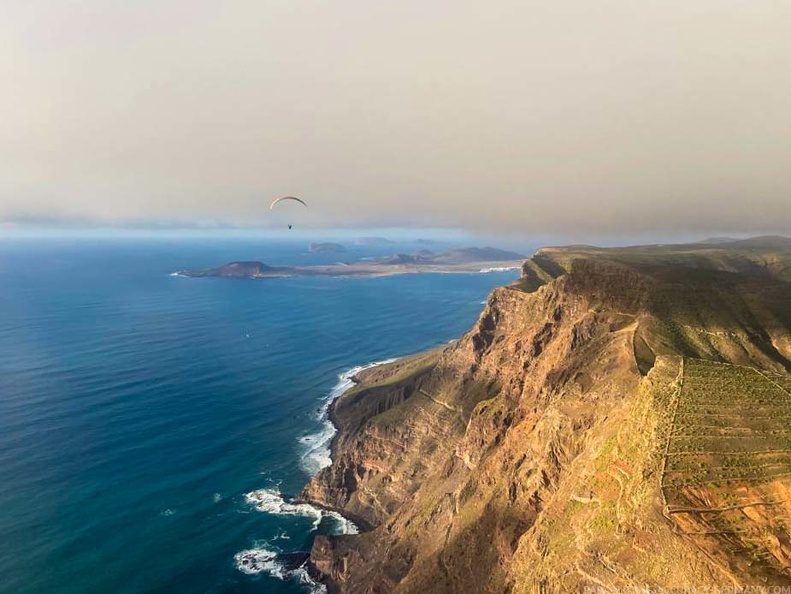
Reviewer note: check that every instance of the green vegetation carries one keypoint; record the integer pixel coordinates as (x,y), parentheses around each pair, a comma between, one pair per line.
(732,424)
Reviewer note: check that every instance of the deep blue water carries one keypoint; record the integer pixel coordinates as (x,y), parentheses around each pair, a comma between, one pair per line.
(137,409)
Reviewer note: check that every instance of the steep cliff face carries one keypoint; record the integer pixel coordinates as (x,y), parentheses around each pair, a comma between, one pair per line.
(530,455)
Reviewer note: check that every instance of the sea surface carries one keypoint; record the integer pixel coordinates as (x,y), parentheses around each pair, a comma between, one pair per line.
(154,428)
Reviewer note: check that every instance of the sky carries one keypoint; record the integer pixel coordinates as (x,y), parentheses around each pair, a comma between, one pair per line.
(573,118)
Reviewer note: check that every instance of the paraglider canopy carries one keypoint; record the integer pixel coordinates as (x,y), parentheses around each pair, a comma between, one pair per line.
(285,198)
(282,198)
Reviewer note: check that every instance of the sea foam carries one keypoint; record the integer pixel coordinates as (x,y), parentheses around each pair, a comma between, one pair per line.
(271,501)
(316,454)
(264,560)
(259,560)
(498,269)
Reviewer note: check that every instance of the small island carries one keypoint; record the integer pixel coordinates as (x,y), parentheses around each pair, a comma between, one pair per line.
(326,248)
(460,260)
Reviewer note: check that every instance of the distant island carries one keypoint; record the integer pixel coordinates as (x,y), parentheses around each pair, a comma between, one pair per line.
(472,259)
(373,241)
(327,247)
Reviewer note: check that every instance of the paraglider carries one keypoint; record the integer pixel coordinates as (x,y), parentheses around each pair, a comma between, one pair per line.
(282,198)
(278,200)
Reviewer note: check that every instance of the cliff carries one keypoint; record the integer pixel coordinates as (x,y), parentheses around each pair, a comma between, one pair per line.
(608,422)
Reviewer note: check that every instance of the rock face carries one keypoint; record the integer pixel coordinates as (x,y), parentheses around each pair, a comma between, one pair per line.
(530,456)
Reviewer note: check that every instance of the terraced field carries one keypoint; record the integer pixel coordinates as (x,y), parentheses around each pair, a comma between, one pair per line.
(731,423)
(728,465)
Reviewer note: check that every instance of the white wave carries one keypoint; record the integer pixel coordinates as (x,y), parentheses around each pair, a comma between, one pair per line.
(217,497)
(260,560)
(498,269)
(302,576)
(316,453)
(271,501)
(166,513)
(484,302)
(179,274)
(263,560)
(343,525)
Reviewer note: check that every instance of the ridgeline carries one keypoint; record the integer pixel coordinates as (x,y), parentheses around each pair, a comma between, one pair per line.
(616,418)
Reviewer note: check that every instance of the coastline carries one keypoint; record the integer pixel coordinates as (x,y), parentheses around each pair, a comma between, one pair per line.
(358,382)
(353,271)
(348,381)
(318,455)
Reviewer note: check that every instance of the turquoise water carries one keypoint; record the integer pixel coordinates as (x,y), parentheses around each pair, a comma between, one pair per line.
(138,409)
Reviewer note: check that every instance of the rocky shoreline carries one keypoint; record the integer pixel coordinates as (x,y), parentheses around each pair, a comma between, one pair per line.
(316,568)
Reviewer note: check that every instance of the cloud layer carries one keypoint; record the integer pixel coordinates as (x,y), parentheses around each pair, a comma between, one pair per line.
(566,117)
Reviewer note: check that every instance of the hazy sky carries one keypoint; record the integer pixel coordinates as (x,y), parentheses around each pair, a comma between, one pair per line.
(559,116)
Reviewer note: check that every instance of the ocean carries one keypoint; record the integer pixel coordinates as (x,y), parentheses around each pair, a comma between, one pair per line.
(154,428)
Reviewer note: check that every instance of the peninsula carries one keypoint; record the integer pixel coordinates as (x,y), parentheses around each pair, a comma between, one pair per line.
(460,260)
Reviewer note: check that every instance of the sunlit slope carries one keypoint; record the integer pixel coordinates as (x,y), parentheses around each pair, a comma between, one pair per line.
(587,432)
(725,301)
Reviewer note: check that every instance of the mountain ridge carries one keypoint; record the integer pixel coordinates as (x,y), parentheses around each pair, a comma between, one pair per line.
(533,452)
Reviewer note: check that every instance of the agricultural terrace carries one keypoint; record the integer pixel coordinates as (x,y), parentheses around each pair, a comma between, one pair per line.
(731,424)
(727,474)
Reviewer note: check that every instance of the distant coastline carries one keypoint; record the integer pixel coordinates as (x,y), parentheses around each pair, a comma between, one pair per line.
(463,260)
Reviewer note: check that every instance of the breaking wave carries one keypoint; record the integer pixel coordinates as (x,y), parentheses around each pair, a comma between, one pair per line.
(271,501)
(316,454)
(254,561)
(263,560)
(498,269)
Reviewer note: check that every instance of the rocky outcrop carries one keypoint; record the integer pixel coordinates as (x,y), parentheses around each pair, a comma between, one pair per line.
(528,455)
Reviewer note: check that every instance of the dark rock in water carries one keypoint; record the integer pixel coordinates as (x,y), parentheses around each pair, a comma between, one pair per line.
(327,247)
(292,561)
